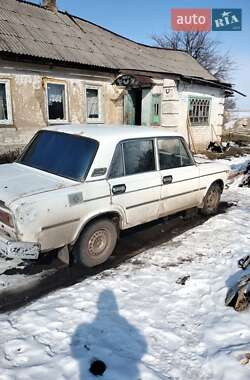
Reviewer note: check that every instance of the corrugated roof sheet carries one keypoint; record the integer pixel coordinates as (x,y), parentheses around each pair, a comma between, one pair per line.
(27,29)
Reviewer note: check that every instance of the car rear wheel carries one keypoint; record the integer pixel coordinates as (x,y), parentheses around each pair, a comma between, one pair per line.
(211,200)
(96,243)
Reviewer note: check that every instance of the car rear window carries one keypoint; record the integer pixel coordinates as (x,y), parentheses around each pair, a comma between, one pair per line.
(60,153)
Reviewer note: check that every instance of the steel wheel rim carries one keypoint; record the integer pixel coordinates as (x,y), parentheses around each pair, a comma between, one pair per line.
(98,242)
(212,199)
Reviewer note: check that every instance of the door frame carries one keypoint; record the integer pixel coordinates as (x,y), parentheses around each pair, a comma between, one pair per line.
(153,191)
(130,106)
(194,188)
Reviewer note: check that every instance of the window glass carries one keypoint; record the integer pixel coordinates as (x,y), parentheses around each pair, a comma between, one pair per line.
(199,109)
(117,168)
(62,154)
(139,156)
(3,102)
(56,101)
(156,119)
(92,103)
(173,154)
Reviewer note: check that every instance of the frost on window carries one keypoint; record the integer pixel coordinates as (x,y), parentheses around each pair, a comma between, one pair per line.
(92,103)
(199,109)
(56,101)
(3,102)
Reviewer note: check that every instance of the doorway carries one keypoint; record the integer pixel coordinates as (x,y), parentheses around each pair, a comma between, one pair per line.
(133,107)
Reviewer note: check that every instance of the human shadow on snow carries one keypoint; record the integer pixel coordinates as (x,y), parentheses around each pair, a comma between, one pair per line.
(109,344)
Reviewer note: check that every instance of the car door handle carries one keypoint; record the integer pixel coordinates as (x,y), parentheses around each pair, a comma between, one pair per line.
(119,189)
(167,179)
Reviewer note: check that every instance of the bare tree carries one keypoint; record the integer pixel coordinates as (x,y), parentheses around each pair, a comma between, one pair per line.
(229,105)
(202,47)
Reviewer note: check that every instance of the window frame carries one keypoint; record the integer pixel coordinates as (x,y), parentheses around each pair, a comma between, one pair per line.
(100,118)
(152,107)
(8,121)
(182,140)
(198,124)
(156,154)
(118,146)
(66,111)
(121,143)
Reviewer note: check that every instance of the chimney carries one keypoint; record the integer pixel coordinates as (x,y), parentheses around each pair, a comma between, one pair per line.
(50,5)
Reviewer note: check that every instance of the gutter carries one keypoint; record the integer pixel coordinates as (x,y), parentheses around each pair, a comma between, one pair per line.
(225,86)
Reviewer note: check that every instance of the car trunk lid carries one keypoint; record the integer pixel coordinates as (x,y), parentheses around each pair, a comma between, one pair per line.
(19,181)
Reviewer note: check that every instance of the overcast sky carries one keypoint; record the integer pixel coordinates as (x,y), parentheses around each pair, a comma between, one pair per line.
(139,19)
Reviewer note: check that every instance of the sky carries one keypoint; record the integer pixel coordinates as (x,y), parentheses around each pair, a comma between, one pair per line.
(139,19)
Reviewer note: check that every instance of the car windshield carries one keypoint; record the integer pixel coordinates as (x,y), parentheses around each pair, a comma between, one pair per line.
(60,153)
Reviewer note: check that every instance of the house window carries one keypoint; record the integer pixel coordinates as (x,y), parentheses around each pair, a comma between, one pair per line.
(5,103)
(57,110)
(93,104)
(199,109)
(156,107)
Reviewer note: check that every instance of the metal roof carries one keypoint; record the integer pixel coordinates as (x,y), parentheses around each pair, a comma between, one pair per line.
(30,30)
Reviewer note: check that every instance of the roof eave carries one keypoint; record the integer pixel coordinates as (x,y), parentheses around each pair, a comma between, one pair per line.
(216,83)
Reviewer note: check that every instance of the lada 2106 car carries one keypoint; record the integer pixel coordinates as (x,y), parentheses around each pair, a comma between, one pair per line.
(75,187)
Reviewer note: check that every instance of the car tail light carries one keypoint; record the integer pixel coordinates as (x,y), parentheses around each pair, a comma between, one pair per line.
(6,218)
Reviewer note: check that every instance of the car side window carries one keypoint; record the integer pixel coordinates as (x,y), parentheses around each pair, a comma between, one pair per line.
(117,167)
(139,156)
(173,154)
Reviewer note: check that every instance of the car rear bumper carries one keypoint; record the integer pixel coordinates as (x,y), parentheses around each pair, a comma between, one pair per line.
(18,249)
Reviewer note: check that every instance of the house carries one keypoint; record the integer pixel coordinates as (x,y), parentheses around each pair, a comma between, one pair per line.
(59,68)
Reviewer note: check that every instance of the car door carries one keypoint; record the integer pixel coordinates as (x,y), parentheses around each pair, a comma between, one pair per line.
(180,176)
(135,184)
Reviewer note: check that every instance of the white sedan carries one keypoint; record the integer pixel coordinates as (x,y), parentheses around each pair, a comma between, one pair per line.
(76,186)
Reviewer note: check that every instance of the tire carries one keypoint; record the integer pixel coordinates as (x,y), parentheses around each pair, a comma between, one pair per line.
(96,243)
(212,200)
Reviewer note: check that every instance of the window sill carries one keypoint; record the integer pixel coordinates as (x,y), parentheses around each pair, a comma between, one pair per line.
(58,122)
(7,125)
(95,121)
(200,125)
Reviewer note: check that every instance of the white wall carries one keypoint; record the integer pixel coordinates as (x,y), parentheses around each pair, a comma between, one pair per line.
(28,99)
(170,110)
(202,135)
(174,109)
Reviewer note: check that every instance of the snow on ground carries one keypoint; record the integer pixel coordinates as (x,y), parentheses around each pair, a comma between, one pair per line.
(137,319)
(237,164)
(12,281)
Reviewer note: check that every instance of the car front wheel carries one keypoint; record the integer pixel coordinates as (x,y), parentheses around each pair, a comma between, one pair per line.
(96,243)
(211,200)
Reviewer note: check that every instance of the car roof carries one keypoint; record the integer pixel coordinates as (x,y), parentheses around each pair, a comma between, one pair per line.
(112,133)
